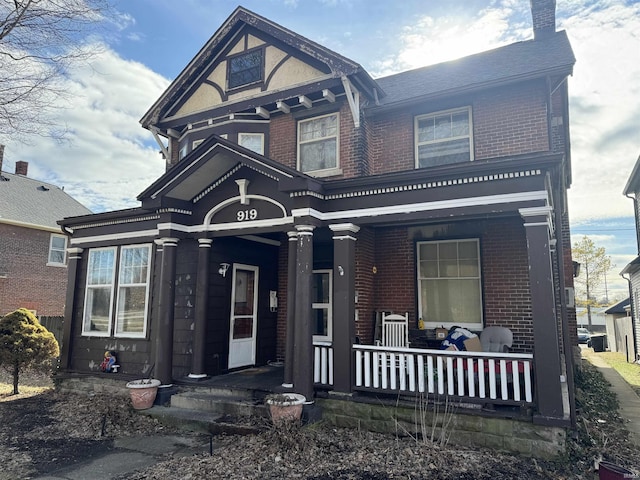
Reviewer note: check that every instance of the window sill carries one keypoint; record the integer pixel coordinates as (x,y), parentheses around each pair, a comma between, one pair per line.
(330,172)
(51,264)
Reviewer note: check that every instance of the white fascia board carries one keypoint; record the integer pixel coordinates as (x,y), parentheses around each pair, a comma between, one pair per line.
(423,206)
(115,236)
(32,226)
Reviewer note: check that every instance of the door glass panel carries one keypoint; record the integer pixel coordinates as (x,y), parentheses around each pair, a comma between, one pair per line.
(321,322)
(242,328)
(243,302)
(321,287)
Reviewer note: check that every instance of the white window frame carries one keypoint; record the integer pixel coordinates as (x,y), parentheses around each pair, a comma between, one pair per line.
(453,111)
(183,151)
(247,135)
(114,297)
(51,263)
(325,306)
(324,172)
(121,284)
(448,323)
(86,320)
(196,143)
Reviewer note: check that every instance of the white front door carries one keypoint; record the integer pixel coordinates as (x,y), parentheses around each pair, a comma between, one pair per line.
(244,316)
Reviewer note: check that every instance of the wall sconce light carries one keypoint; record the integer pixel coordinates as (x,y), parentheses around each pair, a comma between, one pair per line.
(223,269)
(341,270)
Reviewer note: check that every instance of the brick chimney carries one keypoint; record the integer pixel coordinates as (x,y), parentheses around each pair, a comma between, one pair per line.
(1,156)
(543,13)
(21,168)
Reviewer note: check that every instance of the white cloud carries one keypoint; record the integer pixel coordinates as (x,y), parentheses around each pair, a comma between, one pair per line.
(605,114)
(430,39)
(109,157)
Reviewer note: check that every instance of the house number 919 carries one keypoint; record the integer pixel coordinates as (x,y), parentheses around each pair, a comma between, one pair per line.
(244,215)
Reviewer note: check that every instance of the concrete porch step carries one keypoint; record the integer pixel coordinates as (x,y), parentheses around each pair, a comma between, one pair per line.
(204,422)
(214,402)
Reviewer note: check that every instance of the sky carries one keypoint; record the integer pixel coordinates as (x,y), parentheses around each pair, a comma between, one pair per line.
(108,158)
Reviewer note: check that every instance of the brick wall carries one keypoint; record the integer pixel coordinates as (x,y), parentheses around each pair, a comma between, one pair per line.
(365,279)
(506,121)
(510,121)
(283,142)
(25,279)
(394,280)
(505,279)
(505,276)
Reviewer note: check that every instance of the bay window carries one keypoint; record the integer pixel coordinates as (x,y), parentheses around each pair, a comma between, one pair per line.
(116,298)
(449,283)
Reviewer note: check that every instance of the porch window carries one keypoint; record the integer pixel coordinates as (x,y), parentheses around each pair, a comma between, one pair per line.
(252,141)
(322,300)
(318,145)
(443,138)
(133,290)
(57,249)
(245,68)
(117,306)
(449,283)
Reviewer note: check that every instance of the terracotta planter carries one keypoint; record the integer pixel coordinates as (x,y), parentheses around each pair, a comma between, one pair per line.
(285,407)
(143,392)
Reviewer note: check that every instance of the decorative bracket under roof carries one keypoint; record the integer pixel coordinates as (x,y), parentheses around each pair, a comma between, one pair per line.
(353,96)
(165,152)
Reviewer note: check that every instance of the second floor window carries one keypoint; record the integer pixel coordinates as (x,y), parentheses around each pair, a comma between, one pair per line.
(252,141)
(318,143)
(245,69)
(443,138)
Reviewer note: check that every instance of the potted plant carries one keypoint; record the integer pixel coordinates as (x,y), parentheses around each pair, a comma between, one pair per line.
(143,392)
(285,406)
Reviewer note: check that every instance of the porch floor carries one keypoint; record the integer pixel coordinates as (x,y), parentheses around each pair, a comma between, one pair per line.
(268,378)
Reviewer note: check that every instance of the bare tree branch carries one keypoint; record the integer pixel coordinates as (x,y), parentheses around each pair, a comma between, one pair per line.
(39,41)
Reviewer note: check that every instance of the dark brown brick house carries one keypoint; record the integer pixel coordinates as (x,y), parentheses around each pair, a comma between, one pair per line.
(33,271)
(302,197)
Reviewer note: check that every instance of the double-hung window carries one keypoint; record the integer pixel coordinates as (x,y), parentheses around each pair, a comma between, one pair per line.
(449,283)
(443,138)
(318,144)
(117,291)
(57,250)
(321,306)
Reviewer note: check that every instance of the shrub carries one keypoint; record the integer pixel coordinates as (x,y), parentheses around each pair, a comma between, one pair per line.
(24,343)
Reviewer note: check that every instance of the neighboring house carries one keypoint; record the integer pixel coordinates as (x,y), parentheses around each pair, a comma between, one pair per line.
(33,271)
(302,197)
(631,272)
(620,329)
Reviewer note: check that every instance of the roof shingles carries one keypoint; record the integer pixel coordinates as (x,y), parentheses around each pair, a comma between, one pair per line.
(28,201)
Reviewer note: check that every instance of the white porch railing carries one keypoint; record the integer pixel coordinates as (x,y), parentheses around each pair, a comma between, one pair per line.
(492,376)
(323,363)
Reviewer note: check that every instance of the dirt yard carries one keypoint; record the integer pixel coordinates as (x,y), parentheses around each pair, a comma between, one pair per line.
(42,430)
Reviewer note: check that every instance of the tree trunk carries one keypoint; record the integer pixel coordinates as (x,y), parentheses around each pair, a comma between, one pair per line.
(16,372)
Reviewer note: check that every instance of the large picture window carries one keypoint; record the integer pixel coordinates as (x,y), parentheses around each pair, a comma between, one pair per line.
(449,283)
(117,307)
(443,138)
(318,144)
(245,69)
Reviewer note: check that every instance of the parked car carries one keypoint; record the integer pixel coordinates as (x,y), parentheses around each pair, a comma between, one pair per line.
(584,336)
